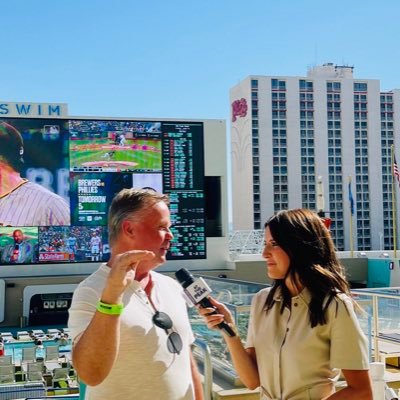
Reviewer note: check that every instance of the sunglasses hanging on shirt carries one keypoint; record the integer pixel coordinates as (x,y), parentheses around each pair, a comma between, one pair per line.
(174,341)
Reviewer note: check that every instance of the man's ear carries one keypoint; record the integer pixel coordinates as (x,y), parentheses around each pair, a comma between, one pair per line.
(128,228)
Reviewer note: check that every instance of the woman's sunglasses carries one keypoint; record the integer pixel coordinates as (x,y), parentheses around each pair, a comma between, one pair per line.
(174,341)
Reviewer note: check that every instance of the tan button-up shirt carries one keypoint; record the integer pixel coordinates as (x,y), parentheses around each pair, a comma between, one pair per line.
(297,362)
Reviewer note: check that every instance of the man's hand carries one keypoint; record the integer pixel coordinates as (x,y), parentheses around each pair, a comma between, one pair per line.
(122,274)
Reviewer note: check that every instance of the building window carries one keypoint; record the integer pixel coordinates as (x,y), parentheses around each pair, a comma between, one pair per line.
(305,85)
(278,85)
(333,86)
(360,87)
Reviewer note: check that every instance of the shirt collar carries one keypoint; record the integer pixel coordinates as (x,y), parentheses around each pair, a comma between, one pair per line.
(304,296)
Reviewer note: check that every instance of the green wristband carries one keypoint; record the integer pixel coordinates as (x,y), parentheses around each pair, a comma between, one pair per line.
(110,309)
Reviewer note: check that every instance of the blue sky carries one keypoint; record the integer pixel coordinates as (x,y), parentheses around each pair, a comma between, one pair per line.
(178,59)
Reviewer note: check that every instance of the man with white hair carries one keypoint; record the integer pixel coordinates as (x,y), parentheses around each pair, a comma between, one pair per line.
(129,324)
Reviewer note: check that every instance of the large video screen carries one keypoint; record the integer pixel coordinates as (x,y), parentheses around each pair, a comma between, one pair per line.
(58,177)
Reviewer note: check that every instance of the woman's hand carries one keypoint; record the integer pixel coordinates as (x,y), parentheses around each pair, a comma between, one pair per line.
(243,359)
(222,314)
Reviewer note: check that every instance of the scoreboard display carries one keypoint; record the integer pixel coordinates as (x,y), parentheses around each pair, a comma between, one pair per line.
(58,177)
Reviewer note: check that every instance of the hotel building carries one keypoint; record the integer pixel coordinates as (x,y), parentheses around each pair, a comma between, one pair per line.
(291,136)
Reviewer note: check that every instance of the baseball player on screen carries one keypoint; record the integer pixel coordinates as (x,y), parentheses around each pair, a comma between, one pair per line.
(72,246)
(95,247)
(24,203)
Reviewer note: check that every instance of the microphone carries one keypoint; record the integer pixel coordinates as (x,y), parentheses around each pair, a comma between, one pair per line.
(197,291)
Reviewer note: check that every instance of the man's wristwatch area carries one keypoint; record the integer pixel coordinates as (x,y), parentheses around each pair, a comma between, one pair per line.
(110,309)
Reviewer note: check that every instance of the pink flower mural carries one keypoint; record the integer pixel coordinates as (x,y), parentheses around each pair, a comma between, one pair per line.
(239,109)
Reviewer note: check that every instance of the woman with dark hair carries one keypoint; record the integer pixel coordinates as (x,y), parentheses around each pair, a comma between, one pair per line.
(303,330)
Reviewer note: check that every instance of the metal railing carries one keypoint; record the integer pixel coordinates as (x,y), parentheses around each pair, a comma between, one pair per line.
(208,368)
(385,325)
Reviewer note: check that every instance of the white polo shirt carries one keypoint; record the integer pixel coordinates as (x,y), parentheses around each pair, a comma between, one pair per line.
(144,368)
(296,361)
